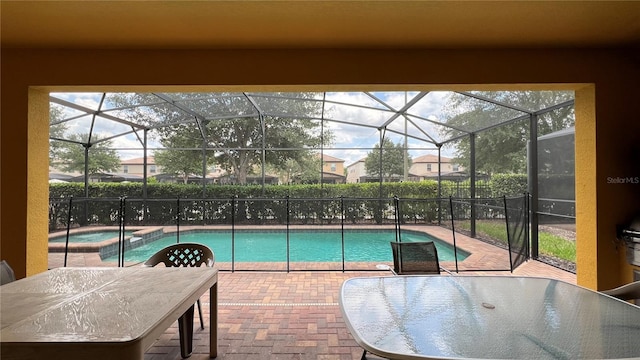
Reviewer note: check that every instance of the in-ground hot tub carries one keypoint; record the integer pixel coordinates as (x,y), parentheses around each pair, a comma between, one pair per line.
(102,239)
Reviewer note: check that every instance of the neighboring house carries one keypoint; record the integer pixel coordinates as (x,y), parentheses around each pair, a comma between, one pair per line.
(426,167)
(109,177)
(57,173)
(356,171)
(136,167)
(57,177)
(215,175)
(423,167)
(332,173)
(332,170)
(171,178)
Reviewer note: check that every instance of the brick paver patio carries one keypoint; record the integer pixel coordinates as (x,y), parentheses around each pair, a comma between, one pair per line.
(295,315)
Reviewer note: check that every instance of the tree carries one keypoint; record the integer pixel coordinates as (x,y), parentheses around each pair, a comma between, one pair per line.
(56,131)
(101,157)
(235,130)
(503,149)
(178,162)
(304,170)
(307,169)
(392,160)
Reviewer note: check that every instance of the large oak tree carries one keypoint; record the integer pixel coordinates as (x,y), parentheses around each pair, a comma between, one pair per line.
(236,133)
(503,148)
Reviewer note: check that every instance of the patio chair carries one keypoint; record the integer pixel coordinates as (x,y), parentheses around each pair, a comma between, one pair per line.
(184,255)
(625,292)
(6,272)
(413,258)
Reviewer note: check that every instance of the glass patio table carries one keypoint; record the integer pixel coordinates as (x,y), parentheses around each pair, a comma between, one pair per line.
(100,313)
(487,317)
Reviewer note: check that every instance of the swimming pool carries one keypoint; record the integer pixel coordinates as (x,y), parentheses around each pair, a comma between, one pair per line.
(89,237)
(304,245)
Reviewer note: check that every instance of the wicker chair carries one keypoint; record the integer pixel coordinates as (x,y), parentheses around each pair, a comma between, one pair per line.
(415,258)
(184,255)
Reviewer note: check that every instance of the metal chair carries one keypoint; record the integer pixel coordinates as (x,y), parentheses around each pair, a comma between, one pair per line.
(6,272)
(184,255)
(415,258)
(625,292)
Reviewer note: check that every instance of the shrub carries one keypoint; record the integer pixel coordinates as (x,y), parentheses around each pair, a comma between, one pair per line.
(253,204)
(508,185)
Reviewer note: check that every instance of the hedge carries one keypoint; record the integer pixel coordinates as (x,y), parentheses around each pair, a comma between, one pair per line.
(308,204)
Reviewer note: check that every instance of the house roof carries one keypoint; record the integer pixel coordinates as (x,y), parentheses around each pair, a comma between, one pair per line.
(139,161)
(59,176)
(116,177)
(328,158)
(331,175)
(356,162)
(430,159)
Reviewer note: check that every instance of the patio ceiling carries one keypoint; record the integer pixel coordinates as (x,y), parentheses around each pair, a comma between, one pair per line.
(319,24)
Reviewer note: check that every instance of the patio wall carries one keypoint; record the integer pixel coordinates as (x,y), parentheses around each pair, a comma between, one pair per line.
(607,130)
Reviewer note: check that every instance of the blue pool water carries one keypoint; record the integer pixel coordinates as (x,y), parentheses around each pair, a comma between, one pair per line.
(304,246)
(89,237)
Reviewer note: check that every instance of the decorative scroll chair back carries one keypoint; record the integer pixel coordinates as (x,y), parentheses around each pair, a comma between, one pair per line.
(185,254)
(415,258)
(6,273)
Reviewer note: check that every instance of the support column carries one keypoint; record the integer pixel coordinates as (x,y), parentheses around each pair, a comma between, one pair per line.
(590,264)
(533,183)
(264,150)
(144,170)
(37,186)
(472,181)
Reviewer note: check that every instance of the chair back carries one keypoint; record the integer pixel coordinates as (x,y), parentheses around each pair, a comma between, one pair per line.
(415,258)
(6,273)
(184,254)
(629,291)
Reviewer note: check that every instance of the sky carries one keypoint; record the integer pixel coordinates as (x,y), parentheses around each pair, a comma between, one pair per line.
(358,139)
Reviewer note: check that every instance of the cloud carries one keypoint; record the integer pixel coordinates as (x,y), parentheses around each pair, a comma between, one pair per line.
(360,113)
(355,129)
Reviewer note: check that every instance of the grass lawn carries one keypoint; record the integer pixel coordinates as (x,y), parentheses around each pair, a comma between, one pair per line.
(549,244)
